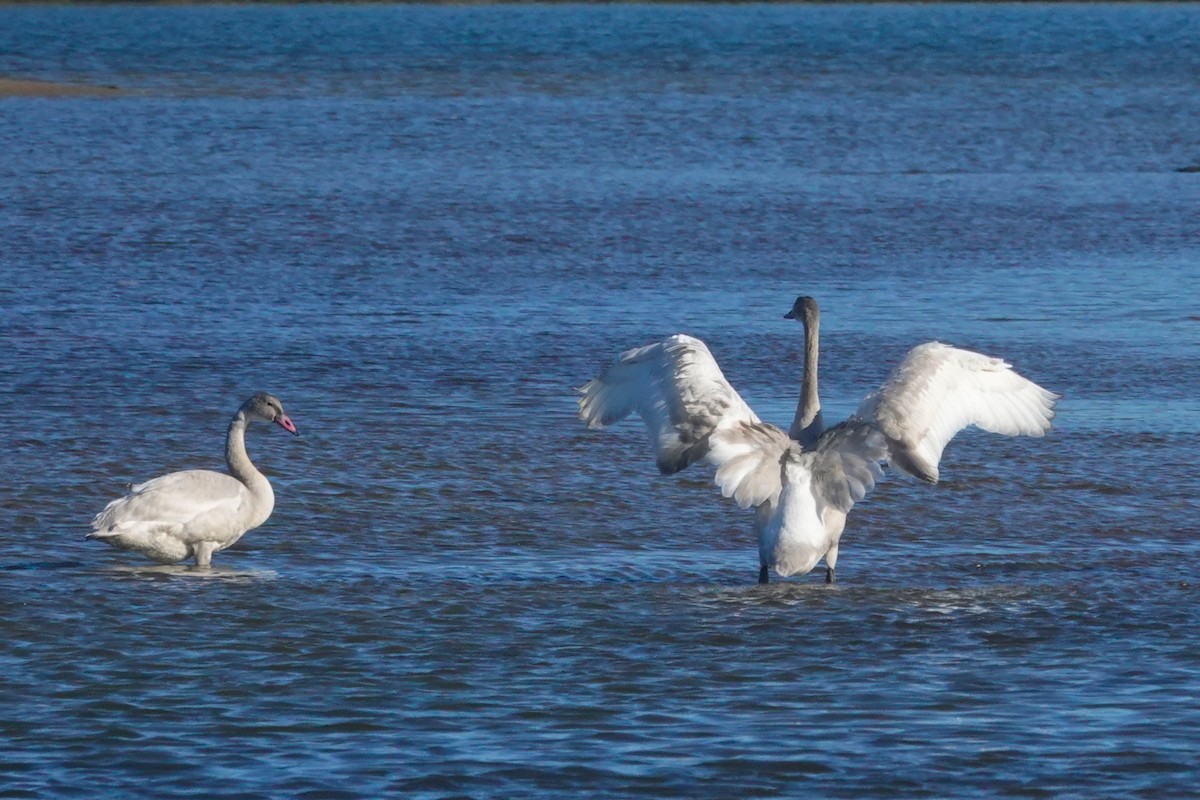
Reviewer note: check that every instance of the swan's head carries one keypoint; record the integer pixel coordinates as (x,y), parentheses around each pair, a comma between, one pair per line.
(268,408)
(804,309)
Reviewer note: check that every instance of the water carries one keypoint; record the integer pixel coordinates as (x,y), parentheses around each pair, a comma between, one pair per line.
(422,227)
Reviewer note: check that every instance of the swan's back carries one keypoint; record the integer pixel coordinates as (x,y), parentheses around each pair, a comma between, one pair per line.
(190,505)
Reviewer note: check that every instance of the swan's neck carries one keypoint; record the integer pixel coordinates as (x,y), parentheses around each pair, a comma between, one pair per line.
(808,426)
(239,462)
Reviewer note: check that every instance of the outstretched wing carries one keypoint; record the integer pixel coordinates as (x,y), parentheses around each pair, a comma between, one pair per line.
(938,390)
(677,389)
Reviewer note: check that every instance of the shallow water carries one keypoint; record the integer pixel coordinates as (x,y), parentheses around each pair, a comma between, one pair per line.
(422,227)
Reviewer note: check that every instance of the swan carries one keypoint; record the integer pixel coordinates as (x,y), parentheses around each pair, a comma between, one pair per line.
(197,512)
(803,483)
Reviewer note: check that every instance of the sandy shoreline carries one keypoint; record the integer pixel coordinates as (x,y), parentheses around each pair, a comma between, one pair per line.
(21,87)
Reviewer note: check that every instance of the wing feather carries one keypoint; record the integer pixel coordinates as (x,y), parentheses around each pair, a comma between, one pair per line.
(677,389)
(171,502)
(937,390)
(845,464)
(749,459)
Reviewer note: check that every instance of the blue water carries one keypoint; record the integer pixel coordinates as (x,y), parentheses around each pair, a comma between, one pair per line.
(423,227)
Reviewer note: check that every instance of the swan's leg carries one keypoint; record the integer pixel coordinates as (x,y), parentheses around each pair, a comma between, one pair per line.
(762,518)
(204,551)
(831,564)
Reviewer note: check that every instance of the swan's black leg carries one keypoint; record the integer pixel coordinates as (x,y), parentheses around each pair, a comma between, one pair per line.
(762,574)
(829,575)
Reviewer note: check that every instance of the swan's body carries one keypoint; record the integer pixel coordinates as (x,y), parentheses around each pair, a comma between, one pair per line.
(803,485)
(197,512)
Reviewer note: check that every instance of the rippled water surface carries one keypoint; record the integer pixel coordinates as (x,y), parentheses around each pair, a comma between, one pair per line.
(422,227)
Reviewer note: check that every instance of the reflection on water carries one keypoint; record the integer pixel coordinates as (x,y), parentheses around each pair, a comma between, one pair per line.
(422,227)
(158,572)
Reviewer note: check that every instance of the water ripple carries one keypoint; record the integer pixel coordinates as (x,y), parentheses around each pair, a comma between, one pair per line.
(423,226)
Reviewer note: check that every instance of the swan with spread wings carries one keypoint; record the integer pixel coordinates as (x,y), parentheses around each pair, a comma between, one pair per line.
(802,483)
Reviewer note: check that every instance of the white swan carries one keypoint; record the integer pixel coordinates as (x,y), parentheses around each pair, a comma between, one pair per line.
(197,512)
(803,485)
